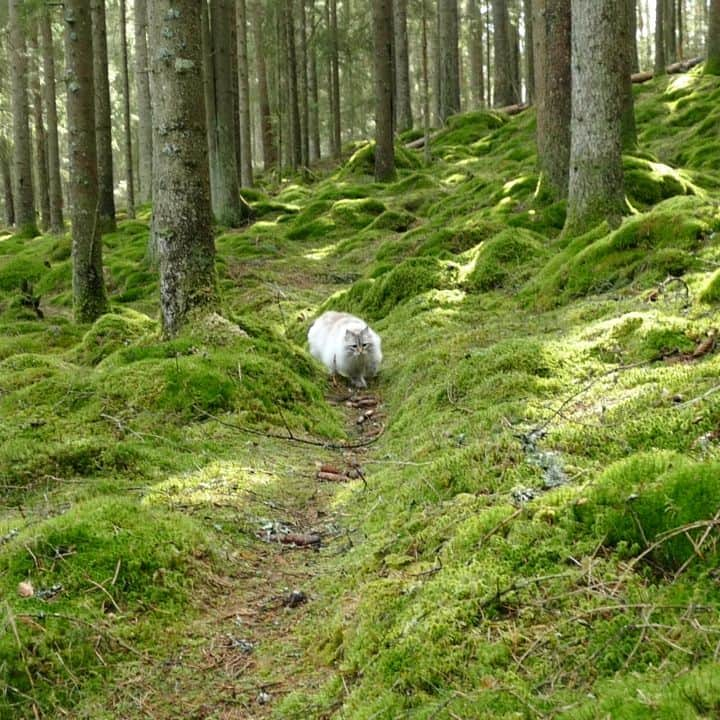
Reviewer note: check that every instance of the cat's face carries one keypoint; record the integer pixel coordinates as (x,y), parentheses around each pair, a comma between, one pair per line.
(357,343)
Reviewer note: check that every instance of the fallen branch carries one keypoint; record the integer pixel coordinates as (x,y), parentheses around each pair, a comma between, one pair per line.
(673,69)
(290,437)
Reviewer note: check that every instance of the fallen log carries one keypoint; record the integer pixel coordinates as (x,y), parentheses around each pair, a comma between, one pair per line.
(673,69)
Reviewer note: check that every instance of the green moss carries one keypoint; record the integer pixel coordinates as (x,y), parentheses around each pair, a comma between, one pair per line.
(376,298)
(395,220)
(504,260)
(711,291)
(15,270)
(468,128)
(362,161)
(112,332)
(647,183)
(356,213)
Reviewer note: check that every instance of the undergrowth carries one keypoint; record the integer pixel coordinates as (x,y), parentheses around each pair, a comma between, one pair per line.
(536,533)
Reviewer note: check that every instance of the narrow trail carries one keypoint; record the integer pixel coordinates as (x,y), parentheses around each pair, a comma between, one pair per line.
(241,654)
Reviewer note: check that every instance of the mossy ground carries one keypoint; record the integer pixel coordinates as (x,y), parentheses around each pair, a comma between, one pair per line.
(537,531)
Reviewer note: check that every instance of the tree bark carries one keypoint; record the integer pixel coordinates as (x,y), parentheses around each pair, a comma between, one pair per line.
(103,121)
(336,135)
(292,75)
(129,180)
(246,171)
(8,202)
(595,188)
(504,93)
(181,183)
(449,68)
(53,145)
(628,53)
(475,42)
(24,199)
(551,36)
(383,35)
(303,92)
(403,110)
(670,30)
(89,297)
(712,64)
(40,155)
(228,206)
(142,88)
(266,127)
(529,51)
(314,119)
(660,61)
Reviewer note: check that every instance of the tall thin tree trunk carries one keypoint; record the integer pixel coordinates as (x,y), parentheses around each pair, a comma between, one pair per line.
(552,38)
(670,30)
(425,82)
(595,188)
(402,67)
(504,93)
(22,163)
(314,119)
(246,173)
(529,51)
(449,58)
(103,121)
(53,145)
(335,74)
(488,50)
(40,154)
(660,61)
(680,15)
(9,203)
(142,89)
(89,296)
(129,180)
(628,52)
(475,41)
(266,127)
(383,35)
(181,184)
(303,91)
(292,74)
(632,11)
(712,64)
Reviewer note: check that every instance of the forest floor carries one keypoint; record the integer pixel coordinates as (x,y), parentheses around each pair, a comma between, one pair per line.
(526,523)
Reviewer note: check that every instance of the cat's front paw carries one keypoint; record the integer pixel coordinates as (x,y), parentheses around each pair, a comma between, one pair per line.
(359,382)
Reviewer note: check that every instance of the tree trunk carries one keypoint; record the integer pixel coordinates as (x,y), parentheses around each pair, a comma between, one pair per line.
(383,34)
(475,42)
(449,58)
(552,38)
(712,65)
(292,75)
(303,92)
(103,121)
(488,52)
(402,67)
(246,173)
(504,93)
(89,297)
(9,204)
(40,154)
(142,85)
(129,181)
(595,189)
(336,134)
(633,23)
(181,183)
(266,127)
(426,83)
(627,50)
(24,199)
(670,30)
(53,145)
(314,119)
(660,61)
(228,207)
(529,52)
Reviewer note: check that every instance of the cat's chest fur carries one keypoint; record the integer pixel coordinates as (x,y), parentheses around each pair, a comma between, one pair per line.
(346,345)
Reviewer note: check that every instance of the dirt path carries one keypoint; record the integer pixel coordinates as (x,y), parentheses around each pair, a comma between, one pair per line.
(241,654)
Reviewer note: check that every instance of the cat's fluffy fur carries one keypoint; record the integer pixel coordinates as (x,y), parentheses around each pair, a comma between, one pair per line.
(346,345)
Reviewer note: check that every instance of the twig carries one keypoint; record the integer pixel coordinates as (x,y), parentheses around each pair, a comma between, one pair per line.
(292,438)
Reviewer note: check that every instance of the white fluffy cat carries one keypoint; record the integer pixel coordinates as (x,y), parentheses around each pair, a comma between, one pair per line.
(345,344)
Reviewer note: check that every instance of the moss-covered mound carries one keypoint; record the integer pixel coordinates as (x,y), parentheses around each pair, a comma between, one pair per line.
(362,161)
(505,259)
